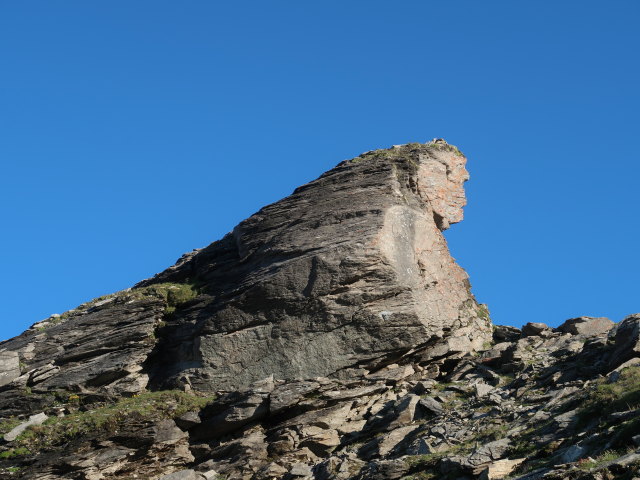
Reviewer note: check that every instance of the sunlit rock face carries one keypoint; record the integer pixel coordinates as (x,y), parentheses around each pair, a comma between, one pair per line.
(328,336)
(344,276)
(350,270)
(441,178)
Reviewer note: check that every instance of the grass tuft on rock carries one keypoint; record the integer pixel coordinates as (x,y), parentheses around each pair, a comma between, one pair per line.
(608,397)
(174,294)
(144,408)
(14,452)
(8,424)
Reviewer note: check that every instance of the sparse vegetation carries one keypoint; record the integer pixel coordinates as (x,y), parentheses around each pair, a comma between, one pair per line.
(8,424)
(605,397)
(483,312)
(393,153)
(174,294)
(446,147)
(14,452)
(601,459)
(425,464)
(146,407)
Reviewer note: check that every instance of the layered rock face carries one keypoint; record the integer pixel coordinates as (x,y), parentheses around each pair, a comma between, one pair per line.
(330,336)
(346,275)
(349,269)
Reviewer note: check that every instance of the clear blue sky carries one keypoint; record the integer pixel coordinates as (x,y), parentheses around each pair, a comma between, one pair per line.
(131,132)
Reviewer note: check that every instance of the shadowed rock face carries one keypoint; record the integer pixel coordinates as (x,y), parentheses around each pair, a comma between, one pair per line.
(343,277)
(349,269)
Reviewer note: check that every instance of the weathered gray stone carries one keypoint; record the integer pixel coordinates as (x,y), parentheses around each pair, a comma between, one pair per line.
(351,263)
(393,373)
(500,469)
(488,452)
(574,453)
(248,408)
(384,470)
(627,340)
(431,405)
(396,414)
(300,470)
(567,420)
(105,348)
(188,420)
(288,394)
(505,333)
(390,440)
(38,419)
(482,389)
(183,475)
(319,440)
(167,432)
(9,367)
(586,326)
(532,329)
(338,467)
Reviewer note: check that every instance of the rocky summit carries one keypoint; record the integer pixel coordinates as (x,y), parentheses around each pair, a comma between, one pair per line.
(329,336)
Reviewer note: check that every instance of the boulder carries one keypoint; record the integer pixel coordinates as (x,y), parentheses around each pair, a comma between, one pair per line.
(431,405)
(534,329)
(627,340)
(500,469)
(505,333)
(488,453)
(389,441)
(288,394)
(352,263)
(188,420)
(320,441)
(586,326)
(248,407)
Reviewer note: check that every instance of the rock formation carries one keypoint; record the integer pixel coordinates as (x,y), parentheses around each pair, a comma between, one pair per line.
(329,336)
(349,270)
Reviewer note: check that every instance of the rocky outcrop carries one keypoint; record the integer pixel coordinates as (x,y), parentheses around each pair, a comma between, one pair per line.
(101,346)
(329,336)
(350,269)
(548,404)
(340,279)
(587,326)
